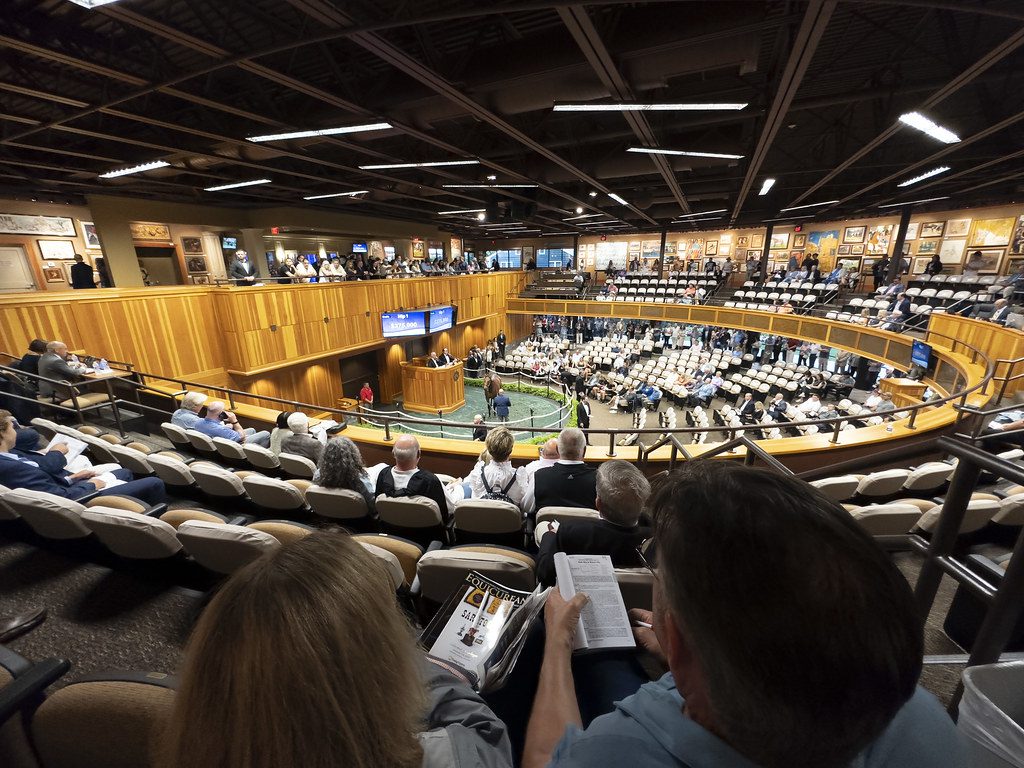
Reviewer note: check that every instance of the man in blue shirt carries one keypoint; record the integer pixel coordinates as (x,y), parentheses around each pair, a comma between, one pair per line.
(187,416)
(801,648)
(222,423)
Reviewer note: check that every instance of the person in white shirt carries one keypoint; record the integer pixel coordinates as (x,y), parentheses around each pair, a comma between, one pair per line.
(548,457)
(810,406)
(304,270)
(496,474)
(873,399)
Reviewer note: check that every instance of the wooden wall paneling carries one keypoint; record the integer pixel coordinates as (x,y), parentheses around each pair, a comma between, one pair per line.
(389,371)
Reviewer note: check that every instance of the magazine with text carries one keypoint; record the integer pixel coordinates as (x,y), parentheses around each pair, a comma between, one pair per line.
(604,622)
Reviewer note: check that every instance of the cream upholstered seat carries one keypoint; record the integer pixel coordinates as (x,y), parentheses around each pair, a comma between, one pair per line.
(838,488)
(273,494)
(229,449)
(1011,510)
(129,534)
(561,514)
(176,435)
(415,517)
(979,512)
(636,586)
(103,723)
(441,571)
(52,517)
(406,552)
(285,531)
(45,427)
(488,521)
(216,481)
(297,466)
(86,399)
(132,459)
(224,548)
(6,511)
(200,442)
(339,504)
(892,519)
(928,477)
(392,566)
(174,472)
(881,484)
(260,457)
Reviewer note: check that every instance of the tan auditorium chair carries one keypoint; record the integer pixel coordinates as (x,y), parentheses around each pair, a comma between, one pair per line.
(177,436)
(278,497)
(487,521)
(441,571)
(406,552)
(980,510)
(882,485)
(340,505)
(217,482)
(22,686)
(414,517)
(223,548)
(201,443)
(892,519)
(103,721)
(294,465)
(230,451)
(51,517)
(839,488)
(261,459)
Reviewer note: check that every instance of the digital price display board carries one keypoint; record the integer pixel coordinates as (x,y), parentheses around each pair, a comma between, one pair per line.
(441,319)
(396,324)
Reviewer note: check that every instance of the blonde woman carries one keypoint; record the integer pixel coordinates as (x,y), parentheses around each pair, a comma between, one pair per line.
(304,658)
(494,473)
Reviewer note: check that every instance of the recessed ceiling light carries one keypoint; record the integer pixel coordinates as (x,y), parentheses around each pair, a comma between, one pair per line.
(481,216)
(492,177)
(489,186)
(923,176)
(584,216)
(674,107)
(914,202)
(593,194)
(237,185)
(808,205)
(338,194)
(617,199)
(684,153)
(467,210)
(92,3)
(433,164)
(134,169)
(765,186)
(923,124)
(579,209)
(701,213)
(321,132)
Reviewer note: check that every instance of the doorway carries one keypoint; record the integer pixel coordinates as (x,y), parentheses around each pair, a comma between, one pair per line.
(15,272)
(161,264)
(357,369)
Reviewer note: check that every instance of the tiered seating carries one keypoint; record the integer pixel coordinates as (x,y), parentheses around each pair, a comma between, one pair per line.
(551,285)
(802,296)
(669,290)
(934,295)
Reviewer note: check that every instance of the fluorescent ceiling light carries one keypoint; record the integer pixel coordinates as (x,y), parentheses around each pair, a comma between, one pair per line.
(766,185)
(557,234)
(489,186)
(808,205)
(925,175)
(617,199)
(322,132)
(684,153)
(583,216)
(791,218)
(467,210)
(701,213)
(134,169)
(914,202)
(338,194)
(92,3)
(507,224)
(695,221)
(675,107)
(435,164)
(923,124)
(237,185)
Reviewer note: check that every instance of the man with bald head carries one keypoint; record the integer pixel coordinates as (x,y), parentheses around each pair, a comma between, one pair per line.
(548,457)
(407,479)
(569,482)
(54,365)
(220,422)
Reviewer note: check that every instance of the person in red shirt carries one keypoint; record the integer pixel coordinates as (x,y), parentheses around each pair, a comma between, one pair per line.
(366,394)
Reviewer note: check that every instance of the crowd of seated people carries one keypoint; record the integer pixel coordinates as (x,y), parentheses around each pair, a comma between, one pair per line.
(217,421)
(360,267)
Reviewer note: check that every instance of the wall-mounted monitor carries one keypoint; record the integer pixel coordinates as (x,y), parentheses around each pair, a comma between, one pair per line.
(397,324)
(920,353)
(441,319)
(358,247)
(229,243)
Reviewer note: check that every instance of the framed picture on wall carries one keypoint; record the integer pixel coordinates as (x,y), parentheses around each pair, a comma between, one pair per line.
(26,224)
(933,228)
(90,235)
(843,250)
(743,241)
(711,248)
(958,227)
(1017,239)
(857,250)
(53,274)
(195,264)
(988,263)
(952,251)
(757,241)
(200,279)
(912,230)
(56,249)
(67,265)
(144,231)
(854,234)
(799,241)
(992,232)
(753,254)
(191,245)
(780,242)
(1013,265)
(527,252)
(928,246)
(920,264)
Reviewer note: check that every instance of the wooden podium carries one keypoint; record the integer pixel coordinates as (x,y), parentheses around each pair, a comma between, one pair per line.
(429,390)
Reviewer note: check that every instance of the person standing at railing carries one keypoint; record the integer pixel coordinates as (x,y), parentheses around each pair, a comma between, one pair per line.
(366,394)
(242,271)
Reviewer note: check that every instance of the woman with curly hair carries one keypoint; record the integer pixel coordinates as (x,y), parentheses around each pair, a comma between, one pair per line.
(341,466)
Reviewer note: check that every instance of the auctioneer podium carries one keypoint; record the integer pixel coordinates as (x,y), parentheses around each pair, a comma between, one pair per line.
(429,390)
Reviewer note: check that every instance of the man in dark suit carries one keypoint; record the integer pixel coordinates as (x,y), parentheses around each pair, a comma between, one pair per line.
(447,358)
(570,482)
(748,409)
(433,361)
(81,273)
(778,407)
(502,340)
(622,491)
(583,413)
(479,428)
(54,365)
(23,471)
(242,271)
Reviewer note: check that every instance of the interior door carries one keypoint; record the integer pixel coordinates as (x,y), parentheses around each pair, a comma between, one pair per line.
(15,273)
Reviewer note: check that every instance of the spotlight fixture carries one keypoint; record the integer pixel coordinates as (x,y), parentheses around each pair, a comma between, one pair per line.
(321,132)
(593,194)
(766,185)
(617,199)
(481,216)
(808,205)
(923,124)
(579,209)
(338,194)
(677,107)
(134,169)
(237,185)
(492,177)
(914,202)
(925,175)
(467,210)
(684,153)
(433,164)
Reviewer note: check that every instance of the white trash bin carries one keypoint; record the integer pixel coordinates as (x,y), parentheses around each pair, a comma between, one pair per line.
(992,715)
